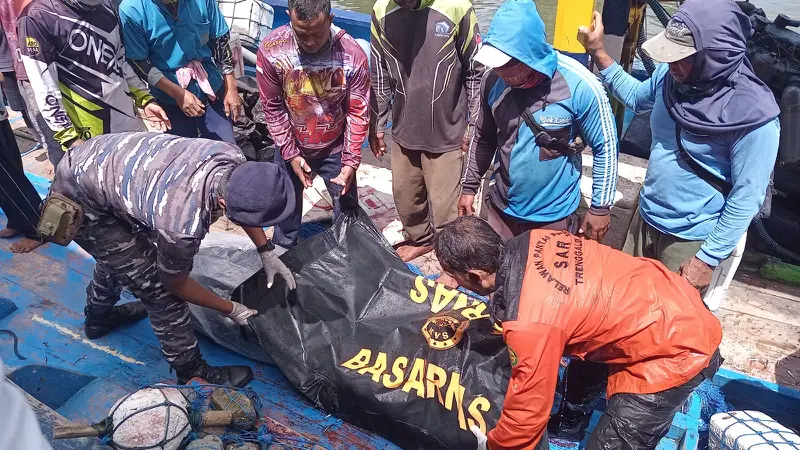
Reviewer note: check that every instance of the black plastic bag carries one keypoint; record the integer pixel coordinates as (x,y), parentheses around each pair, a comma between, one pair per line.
(250,130)
(377,346)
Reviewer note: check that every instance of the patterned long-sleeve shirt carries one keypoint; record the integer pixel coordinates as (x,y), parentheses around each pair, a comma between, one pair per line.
(76,64)
(315,106)
(423,71)
(9,13)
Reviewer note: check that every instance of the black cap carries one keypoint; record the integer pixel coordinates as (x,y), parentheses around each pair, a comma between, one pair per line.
(259,194)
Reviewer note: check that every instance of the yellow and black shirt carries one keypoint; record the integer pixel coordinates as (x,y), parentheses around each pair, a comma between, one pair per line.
(76,64)
(422,68)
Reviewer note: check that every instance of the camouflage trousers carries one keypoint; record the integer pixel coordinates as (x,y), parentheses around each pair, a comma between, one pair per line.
(126,258)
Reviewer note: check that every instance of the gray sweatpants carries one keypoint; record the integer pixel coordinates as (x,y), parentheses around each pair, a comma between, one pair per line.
(126,257)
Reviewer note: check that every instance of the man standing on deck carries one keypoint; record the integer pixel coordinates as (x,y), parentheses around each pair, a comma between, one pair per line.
(537,109)
(424,73)
(715,137)
(17,87)
(19,200)
(148,200)
(314,83)
(181,49)
(556,294)
(75,60)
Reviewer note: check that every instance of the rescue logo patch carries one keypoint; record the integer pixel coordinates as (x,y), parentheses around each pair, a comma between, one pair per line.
(444,332)
(33,47)
(441,29)
(512,355)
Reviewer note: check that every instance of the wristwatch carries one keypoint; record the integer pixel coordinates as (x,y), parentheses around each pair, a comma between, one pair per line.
(268,247)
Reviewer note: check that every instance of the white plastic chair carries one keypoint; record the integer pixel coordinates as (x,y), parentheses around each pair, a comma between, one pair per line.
(723,275)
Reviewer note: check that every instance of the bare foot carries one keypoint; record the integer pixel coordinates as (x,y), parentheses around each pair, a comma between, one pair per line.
(410,252)
(25,245)
(447,280)
(7,233)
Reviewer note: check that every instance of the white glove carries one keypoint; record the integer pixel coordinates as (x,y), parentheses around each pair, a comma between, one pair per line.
(274,266)
(241,313)
(479,436)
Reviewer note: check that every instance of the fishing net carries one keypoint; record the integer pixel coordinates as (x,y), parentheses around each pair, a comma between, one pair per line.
(166,417)
(712,401)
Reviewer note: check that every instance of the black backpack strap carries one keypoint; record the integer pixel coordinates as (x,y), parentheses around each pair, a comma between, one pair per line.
(544,139)
(722,186)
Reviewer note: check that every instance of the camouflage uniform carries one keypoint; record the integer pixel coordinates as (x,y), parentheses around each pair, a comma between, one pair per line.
(148,199)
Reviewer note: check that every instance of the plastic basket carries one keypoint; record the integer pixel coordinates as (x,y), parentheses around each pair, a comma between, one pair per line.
(251,19)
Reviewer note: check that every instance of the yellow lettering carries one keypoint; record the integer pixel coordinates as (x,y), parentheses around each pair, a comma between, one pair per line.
(420,292)
(436,378)
(415,378)
(478,311)
(475,408)
(377,369)
(399,372)
(455,392)
(461,302)
(442,297)
(359,361)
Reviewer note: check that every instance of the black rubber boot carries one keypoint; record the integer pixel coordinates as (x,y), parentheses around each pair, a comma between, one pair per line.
(236,376)
(97,327)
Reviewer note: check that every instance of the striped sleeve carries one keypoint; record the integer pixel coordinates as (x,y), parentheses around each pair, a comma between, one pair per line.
(599,131)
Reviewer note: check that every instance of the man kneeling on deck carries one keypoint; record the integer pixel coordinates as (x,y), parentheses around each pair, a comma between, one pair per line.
(148,200)
(556,294)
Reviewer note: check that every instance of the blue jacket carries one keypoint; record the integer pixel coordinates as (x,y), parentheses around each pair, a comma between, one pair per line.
(573,103)
(677,202)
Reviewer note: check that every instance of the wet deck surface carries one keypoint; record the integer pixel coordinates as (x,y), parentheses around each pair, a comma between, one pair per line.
(760,321)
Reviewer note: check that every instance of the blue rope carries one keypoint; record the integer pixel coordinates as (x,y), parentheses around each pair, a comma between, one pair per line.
(769,424)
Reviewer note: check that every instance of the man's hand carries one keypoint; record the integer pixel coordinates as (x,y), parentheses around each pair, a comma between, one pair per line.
(466,205)
(233,104)
(76,143)
(697,273)
(377,144)
(345,178)
(302,171)
(592,41)
(479,436)
(190,105)
(597,224)
(592,38)
(157,117)
(465,145)
(274,266)
(241,313)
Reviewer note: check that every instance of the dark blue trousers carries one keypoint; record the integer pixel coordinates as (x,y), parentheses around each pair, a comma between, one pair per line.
(212,125)
(287,232)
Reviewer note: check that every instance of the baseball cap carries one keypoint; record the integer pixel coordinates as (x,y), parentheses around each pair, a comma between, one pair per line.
(491,57)
(672,44)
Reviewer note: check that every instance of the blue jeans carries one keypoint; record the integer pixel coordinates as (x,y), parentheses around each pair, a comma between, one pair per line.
(212,125)
(287,232)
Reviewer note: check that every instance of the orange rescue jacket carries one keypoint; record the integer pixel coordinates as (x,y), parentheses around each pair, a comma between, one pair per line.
(559,294)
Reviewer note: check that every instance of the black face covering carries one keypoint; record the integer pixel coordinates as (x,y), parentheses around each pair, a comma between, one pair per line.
(696,90)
